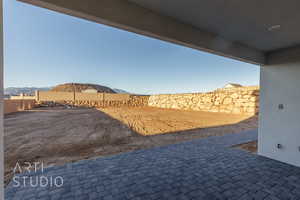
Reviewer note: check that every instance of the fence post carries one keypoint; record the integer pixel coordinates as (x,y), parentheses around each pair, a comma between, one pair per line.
(103,99)
(74,98)
(37,93)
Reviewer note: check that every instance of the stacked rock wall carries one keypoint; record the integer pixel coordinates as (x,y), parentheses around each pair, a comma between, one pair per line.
(243,100)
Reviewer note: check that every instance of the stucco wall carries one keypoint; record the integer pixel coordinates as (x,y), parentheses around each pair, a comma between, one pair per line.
(88,96)
(243,100)
(280,84)
(22,97)
(115,101)
(80,96)
(92,99)
(54,96)
(11,106)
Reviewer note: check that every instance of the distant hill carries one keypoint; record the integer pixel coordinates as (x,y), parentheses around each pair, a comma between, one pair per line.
(120,91)
(14,91)
(78,87)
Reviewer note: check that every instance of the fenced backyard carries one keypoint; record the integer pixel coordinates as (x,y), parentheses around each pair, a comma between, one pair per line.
(242,100)
(59,135)
(72,126)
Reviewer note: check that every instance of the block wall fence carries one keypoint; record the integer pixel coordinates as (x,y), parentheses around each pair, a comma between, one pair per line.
(13,105)
(92,99)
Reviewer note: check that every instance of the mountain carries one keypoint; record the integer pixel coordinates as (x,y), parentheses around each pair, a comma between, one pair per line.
(78,87)
(14,91)
(120,91)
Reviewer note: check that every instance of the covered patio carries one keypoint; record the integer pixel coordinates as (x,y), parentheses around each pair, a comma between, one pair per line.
(264,33)
(200,169)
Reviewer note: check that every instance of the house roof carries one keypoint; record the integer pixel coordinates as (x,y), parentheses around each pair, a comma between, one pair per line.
(232,85)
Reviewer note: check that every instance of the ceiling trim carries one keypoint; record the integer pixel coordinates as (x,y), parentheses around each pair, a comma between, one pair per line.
(286,55)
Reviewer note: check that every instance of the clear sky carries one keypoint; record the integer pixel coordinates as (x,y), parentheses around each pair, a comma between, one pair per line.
(45,48)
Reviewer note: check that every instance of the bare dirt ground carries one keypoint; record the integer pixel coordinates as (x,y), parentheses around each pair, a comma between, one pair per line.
(250,147)
(58,135)
(153,121)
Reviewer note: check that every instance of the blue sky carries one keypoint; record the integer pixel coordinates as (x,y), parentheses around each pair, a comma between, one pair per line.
(45,48)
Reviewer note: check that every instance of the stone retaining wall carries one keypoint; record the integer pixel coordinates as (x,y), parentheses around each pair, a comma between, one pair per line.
(244,100)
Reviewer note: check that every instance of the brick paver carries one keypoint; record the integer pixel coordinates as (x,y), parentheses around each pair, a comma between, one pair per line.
(200,169)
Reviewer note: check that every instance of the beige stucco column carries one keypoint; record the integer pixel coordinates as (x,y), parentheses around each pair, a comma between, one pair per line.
(1,106)
(279,128)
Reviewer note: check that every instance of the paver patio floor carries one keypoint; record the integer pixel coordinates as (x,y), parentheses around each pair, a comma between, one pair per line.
(199,169)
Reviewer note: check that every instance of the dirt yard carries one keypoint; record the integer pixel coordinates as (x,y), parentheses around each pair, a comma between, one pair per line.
(250,147)
(153,121)
(58,135)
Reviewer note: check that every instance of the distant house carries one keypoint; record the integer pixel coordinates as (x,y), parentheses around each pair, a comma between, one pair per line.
(232,85)
(90,90)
